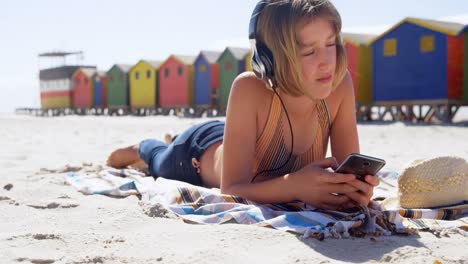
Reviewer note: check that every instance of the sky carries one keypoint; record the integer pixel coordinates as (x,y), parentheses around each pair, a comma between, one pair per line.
(117,31)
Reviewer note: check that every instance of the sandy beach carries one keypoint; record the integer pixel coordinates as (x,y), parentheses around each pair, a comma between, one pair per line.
(45,220)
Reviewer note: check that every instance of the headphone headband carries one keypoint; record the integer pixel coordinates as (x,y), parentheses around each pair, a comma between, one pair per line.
(262,58)
(254,19)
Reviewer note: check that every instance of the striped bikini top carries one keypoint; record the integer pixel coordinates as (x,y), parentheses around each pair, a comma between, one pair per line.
(271,151)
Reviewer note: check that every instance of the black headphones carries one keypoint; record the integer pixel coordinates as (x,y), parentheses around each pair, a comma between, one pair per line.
(262,57)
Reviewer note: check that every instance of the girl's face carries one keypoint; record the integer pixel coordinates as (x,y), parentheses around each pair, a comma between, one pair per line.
(317,55)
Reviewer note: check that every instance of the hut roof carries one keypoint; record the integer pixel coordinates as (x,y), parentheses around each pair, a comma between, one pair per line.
(184,59)
(89,72)
(211,56)
(357,39)
(153,63)
(239,53)
(124,67)
(449,28)
(100,74)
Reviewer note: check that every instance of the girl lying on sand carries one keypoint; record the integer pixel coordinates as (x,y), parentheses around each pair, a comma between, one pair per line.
(272,146)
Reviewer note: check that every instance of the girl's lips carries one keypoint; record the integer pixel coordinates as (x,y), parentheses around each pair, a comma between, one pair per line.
(325,79)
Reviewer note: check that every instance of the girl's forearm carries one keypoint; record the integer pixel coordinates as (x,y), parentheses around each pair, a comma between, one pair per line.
(276,190)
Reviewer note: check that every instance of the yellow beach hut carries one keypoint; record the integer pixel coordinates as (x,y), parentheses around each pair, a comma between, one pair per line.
(144,84)
(360,64)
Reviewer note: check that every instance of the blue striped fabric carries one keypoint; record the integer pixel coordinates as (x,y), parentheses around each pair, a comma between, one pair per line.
(207,206)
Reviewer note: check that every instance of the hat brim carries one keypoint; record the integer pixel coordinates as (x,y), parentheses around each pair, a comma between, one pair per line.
(393,203)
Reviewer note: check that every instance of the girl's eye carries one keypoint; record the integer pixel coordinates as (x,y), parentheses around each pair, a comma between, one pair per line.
(331,45)
(312,52)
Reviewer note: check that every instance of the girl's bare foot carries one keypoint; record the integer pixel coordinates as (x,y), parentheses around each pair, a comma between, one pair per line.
(168,138)
(124,157)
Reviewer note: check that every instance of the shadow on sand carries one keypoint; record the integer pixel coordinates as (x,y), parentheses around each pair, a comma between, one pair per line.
(362,249)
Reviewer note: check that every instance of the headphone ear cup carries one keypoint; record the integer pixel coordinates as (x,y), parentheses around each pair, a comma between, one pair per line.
(257,65)
(265,58)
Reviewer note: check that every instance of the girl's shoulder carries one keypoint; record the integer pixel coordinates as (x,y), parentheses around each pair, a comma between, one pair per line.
(344,91)
(248,87)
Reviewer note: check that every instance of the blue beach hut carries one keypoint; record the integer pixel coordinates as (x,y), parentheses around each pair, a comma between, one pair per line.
(99,89)
(206,76)
(418,59)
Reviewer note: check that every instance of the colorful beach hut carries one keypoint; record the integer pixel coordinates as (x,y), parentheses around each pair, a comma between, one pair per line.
(418,59)
(144,84)
(206,77)
(56,86)
(118,86)
(465,64)
(232,62)
(99,89)
(176,77)
(83,88)
(248,62)
(360,64)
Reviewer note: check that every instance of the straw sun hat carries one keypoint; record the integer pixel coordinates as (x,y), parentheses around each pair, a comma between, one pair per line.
(436,183)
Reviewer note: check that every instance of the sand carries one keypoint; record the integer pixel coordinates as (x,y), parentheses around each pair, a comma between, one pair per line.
(45,220)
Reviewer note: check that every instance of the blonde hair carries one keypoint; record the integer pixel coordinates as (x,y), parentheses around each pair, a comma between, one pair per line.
(276,28)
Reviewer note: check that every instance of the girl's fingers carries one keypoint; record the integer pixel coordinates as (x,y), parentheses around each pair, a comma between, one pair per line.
(336,177)
(361,186)
(337,200)
(372,180)
(359,198)
(339,188)
(327,163)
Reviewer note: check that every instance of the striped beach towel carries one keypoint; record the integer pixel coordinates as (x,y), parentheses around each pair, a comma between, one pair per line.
(201,205)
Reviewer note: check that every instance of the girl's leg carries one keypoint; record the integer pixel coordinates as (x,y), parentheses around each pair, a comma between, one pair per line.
(150,153)
(179,160)
(158,156)
(124,157)
(129,156)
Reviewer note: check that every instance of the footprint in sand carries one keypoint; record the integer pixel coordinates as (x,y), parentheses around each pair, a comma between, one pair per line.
(56,181)
(8,186)
(36,236)
(91,260)
(4,198)
(46,171)
(20,240)
(45,236)
(158,211)
(36,261)
(8,200)
(64,169)
(53,205)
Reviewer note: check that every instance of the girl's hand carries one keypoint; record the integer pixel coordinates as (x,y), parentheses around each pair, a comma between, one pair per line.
(365,191)
(321,188)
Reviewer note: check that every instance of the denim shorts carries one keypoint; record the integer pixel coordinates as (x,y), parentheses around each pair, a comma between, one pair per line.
(176,160)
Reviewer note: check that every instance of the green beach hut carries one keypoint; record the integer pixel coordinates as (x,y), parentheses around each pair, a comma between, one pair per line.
(118,86)
(232,62)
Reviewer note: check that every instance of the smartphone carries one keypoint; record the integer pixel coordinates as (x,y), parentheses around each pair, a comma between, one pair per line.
(361,165)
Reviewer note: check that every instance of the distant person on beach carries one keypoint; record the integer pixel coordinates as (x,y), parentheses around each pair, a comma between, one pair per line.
(272,146)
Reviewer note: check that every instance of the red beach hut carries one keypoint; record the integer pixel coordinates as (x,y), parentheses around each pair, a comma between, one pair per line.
(83,88)
(176,80)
